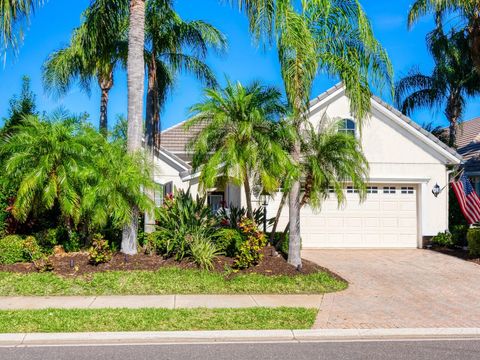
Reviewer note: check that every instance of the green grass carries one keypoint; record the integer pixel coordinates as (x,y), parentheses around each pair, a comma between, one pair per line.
(155,319)
(165,281)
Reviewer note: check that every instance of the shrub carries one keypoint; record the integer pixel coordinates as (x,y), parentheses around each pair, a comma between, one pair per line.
(202,251)
(233,216)
(459,234)
(229,241)
(473,238)
(32,251)
(100,251)
(443,239)
(11,250)
(249,253)
(73,243)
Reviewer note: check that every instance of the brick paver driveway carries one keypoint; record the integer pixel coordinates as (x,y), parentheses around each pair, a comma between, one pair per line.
(399,288)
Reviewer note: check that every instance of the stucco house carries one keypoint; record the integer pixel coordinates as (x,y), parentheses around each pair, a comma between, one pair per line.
(400,211)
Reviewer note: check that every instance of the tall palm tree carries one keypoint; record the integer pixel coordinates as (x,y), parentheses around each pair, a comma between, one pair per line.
(333,36)
(135,86)
(12,14)
(468,19)
(96,48)
(236,143)
(452,80)
(172,45)
(169,39)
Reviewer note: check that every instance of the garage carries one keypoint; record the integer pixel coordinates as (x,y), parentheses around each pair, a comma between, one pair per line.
(386,219)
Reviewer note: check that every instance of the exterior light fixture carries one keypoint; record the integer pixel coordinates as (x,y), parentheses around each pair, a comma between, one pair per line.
(436,190)
(72,263)
(264,197)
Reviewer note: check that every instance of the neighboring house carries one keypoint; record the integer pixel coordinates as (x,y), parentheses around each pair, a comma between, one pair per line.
(400,211)
(468,145)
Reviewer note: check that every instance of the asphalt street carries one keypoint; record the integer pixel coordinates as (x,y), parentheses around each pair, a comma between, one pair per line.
(372,350)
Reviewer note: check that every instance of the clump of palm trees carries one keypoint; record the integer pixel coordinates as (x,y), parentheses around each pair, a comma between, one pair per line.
(62,164)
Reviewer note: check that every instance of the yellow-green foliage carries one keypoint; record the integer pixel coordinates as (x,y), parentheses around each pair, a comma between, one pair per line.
(249,252)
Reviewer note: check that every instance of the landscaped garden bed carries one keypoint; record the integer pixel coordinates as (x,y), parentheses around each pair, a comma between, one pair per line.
(56,320)
(78,263)
(459,253)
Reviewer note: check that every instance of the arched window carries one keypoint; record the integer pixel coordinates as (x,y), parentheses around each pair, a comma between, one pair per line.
(347,126)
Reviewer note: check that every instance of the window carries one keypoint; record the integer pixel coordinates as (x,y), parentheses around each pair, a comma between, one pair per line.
(159,195)
(331,190)
(407,190)
(352,190)
(215,200)
(347,126)
(372,190)
(389,189)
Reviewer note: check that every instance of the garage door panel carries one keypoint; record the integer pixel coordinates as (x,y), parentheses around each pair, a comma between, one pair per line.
(383,220)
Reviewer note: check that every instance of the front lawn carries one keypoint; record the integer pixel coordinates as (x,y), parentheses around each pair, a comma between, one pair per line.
(168,280)
(155,319)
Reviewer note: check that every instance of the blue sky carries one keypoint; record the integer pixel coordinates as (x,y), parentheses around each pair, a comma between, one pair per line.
(51,27)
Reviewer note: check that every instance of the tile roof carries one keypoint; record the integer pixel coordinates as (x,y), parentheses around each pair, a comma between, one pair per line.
(468,143)
(175,139)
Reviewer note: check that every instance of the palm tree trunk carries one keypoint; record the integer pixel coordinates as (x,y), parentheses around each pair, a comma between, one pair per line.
(248,194)
(135,84)
(106,84)
(151,130)
(277,216)
(294,257)
(474,34)
(452,112)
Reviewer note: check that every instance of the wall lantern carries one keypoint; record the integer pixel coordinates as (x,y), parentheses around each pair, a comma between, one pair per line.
(436,190)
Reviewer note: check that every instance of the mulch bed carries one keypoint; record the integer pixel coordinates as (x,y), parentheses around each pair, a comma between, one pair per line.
(459,253)
(77,264)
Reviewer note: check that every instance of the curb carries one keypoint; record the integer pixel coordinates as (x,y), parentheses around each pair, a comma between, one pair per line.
(231,336)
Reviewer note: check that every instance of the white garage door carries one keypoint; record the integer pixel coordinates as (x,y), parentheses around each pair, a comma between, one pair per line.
(386,219)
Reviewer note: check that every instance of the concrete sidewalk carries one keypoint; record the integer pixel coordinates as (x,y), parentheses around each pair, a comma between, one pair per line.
(159,301)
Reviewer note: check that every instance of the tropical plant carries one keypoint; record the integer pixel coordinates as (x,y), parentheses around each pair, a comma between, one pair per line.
(64,164)
(249,253)
(452,80)
(13,13)
(11,249)
(463,14)
(233,215)
(236,144)
(332,36)
(228,241)
(96,48)
(100,251)
(21,106)
(180,218)
(473,238)
(202,250)
(443,239)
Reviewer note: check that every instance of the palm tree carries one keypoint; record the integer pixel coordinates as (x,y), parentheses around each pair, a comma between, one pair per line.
(44,160)
(96,48)
(168,38)
(12,14)
(236,143)
(469,16)
(135,86)
(329,160)
(332,36)
(452,80)
(64,163)
(172,45)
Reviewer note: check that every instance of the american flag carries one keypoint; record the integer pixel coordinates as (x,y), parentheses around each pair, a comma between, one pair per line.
(467,198)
